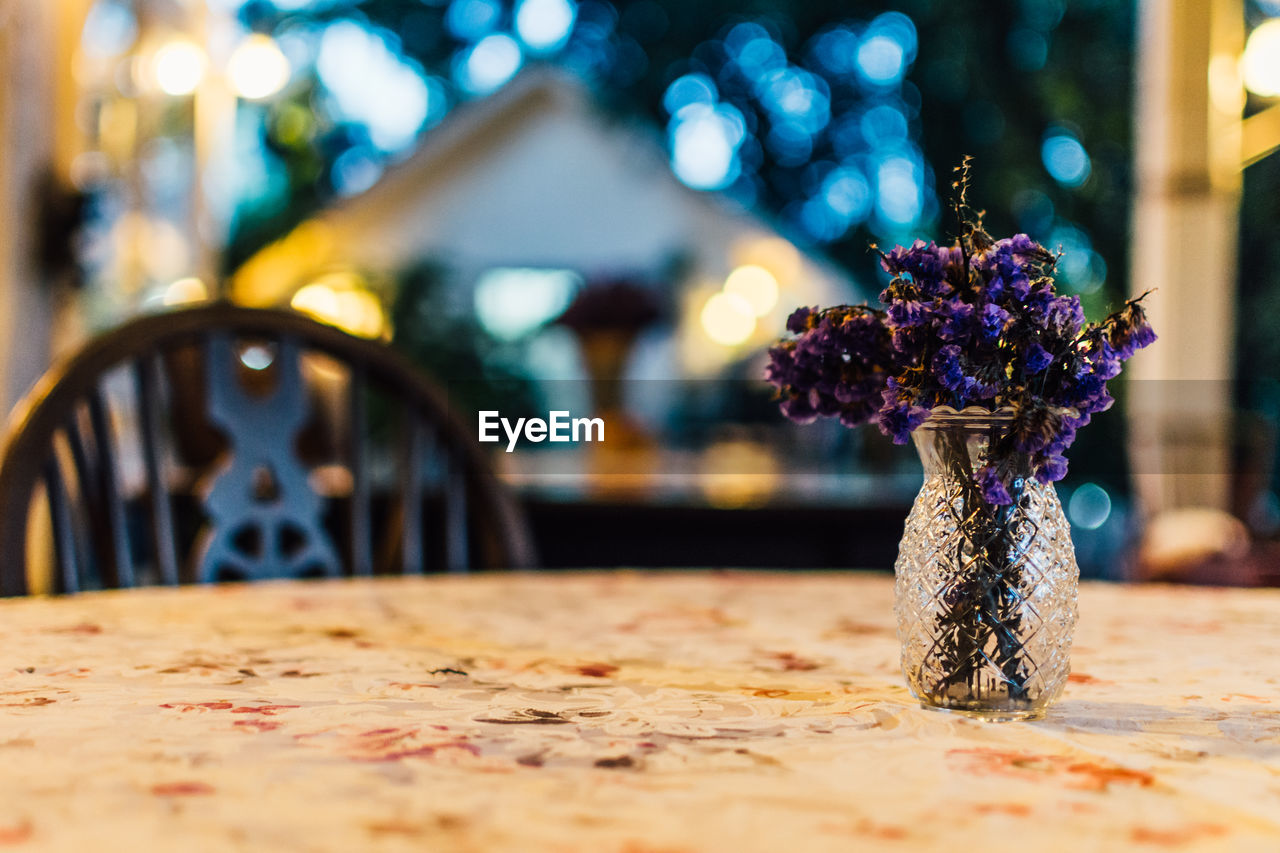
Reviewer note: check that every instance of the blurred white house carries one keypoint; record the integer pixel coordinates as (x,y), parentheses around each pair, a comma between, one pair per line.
(533,189)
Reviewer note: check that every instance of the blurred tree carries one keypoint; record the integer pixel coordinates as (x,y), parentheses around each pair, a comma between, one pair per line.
(1039,90)
(449,347)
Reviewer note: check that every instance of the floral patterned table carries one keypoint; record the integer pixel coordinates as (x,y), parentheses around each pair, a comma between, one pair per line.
(620,713)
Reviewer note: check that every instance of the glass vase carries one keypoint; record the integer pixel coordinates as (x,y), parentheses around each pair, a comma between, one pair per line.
(985,594)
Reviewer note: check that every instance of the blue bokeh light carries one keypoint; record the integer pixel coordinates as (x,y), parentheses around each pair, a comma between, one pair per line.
(884,125)
(901,28)
(836,130)
(1089,507)
(836,50)
(845,135)
(881,59)
(899,197)
(689,89)
(887,48)
(796,97)
(704,145)
(1064,158)
(1080,268)
(820,222)
(754,49)
(472,20)
(356,170)
(109,29)
(848,194)
(371,84)
(790,144)
(493,61)
(545,25)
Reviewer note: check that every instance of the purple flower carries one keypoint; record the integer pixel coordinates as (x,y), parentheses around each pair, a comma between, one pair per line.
(993,488)
(1037,300)
(801,408)
(782,370)
(798,322)
(1139,338)
(899,420)
(946,366)
(1020,244)
(1065,315)
(974,323)
(835,367)
(1038,358)
(908,342)
(1035,426)
(922,261)
(1129,331)
(994,319)
(957,321)
(1086,394)
(1051,469)
(907,313)
(1020,286)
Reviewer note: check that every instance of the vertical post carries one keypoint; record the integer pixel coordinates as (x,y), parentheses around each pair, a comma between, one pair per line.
(1185,226)
(213,137)
(28,49)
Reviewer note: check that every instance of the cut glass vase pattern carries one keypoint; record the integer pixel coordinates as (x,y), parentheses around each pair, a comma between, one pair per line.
(985,594)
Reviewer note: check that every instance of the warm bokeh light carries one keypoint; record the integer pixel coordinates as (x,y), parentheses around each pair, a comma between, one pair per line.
(341,299)
(178,67)
(775,254)
(1260,65)
(118,128)
(737,473)
(756,286)
(317,300)
(185,291)
(258,68)
(270,276)
(728,319)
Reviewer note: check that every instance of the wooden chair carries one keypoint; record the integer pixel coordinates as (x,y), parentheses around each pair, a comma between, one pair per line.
(224,443)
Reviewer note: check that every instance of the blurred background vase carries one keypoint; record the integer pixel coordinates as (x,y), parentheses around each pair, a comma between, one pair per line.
(607,317)
(605,353)
(985,594)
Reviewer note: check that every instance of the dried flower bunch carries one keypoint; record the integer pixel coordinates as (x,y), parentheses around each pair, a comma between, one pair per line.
(973,324)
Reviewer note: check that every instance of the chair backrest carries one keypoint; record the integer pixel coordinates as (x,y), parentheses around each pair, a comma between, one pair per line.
(226,443)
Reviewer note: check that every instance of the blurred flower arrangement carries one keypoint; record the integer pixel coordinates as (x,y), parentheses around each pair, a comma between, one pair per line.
(975,324)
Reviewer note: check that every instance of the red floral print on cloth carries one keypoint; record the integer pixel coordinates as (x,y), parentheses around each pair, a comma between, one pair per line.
(1082,775)
(182,789)
(396,744)
(18,833)
(1176,836)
